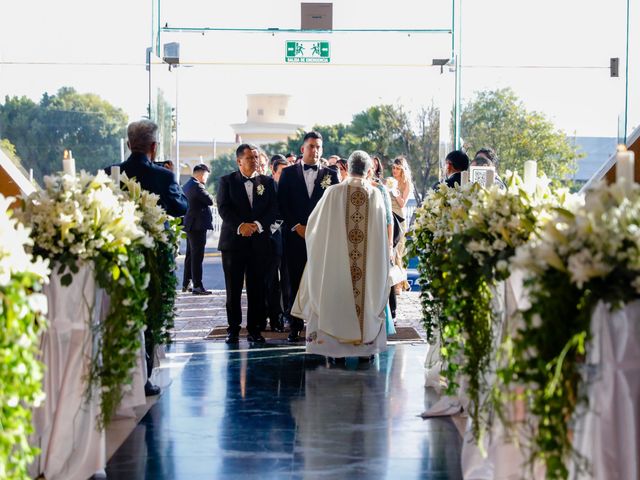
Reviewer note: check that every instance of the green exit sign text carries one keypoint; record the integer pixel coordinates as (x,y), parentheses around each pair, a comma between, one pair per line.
(307,51)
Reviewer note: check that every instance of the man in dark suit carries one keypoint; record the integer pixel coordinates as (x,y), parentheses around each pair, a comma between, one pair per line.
(277,279)
(456,162)
(143,143)
(247,204)
(142,140)
(299,190)
(196,223)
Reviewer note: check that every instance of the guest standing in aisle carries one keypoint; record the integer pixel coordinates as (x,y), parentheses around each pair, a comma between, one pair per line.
(197,222)
(142,140)
(300,188)
(248,206)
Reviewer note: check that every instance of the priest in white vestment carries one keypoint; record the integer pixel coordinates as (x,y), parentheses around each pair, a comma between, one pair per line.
(345,286)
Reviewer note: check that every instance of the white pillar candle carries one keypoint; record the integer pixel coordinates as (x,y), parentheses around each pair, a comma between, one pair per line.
(115,175)
(530,175)
(491,177)
(68,163)
(625,166)
(464,178)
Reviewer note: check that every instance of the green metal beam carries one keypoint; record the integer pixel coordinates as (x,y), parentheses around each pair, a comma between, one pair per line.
(296,30)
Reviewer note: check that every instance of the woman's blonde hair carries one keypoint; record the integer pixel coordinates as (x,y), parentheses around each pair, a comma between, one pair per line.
(402,163)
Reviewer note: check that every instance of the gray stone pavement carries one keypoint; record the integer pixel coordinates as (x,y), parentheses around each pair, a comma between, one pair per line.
(197,315)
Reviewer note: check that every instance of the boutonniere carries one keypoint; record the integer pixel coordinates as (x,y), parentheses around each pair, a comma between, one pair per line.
(260,189)
(326,181)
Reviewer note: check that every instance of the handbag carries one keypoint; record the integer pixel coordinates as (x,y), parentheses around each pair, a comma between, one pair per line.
(397,228)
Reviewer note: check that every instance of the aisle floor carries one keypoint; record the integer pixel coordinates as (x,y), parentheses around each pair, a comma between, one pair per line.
(275,412)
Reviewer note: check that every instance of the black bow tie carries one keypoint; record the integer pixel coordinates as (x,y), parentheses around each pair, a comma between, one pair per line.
(312,167)
(247,179)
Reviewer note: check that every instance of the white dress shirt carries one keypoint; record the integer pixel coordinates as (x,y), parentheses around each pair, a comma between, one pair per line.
(248,186)
(310,176)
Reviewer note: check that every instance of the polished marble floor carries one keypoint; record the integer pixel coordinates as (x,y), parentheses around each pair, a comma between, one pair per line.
(276,413)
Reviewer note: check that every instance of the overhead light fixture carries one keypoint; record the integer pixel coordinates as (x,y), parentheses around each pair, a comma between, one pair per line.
(440,62)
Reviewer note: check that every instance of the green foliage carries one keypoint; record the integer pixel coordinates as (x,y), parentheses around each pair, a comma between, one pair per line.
(463,239)
(220,166)
(549,367)
(21,373)
(386,131)
(587,252)
(85,123)
(498,119)
(160,262)
(9,150)
(124,278)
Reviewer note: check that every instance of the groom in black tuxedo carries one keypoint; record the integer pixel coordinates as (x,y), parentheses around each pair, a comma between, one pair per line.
(300,188)
(247,204)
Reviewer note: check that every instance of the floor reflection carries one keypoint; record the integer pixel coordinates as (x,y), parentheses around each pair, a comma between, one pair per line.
(273,413)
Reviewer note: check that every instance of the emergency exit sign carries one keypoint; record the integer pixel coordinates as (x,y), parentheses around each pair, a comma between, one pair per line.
(307,51)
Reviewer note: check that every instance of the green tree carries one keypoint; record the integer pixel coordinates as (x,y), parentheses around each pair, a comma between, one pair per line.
(222,165)
(336,140)
(85,123)
(386,131)
(498,119)
(9,150)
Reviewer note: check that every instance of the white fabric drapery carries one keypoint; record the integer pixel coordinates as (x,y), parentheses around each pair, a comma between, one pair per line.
(72,446)
(608,433)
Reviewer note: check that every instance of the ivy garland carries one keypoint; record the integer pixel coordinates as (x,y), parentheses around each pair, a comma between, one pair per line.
(464,238)
(584,254)
(159,259)
(161,265)
(81,218)
(21,323)
(125,280)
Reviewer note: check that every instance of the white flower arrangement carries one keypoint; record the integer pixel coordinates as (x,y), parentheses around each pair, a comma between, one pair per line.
(154,218)
(82,216)
(260,189)
(326,182)
(392,185)
(590,238)
(14,237)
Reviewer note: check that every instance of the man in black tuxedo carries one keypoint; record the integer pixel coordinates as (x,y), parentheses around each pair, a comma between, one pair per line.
(142,140)
(247,204)
(300,188)
(196,223)
(456,162)
(277,279)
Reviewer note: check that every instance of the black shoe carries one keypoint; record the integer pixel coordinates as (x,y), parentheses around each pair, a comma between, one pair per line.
(255,338)
(201,291)
(186,289)
(232,338)
(294,337)
(151,390)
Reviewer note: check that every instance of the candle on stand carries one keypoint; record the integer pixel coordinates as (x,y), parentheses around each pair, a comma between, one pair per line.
(68,163)
(115,175)
(530,175)
(625,165)
(464,178)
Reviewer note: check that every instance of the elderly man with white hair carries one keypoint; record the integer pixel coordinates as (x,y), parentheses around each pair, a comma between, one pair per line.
(345,285)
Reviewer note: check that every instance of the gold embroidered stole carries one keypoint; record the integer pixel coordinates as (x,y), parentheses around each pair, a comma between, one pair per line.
(357,219)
